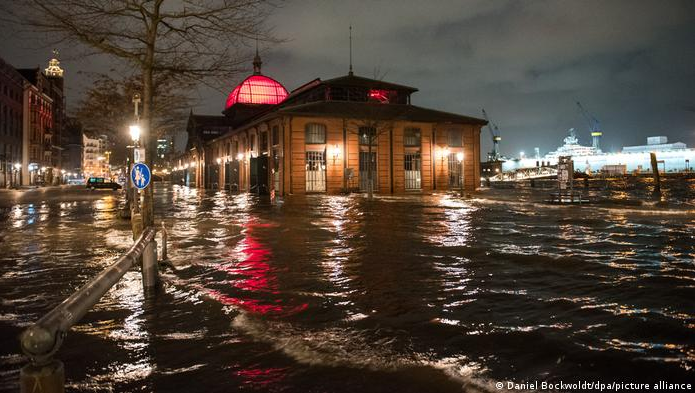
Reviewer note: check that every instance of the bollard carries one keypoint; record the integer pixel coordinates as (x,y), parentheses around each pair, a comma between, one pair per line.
(164,242)
(149,265)
(655,172)
(136,225)
(46,378)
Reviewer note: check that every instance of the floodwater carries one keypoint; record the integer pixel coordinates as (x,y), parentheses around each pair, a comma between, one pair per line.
(417,293)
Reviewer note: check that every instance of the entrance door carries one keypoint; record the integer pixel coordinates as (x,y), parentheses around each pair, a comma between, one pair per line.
(259,175)
(413,176)
(454,172)
(276,171)
(364,169)
(213,176)
(232,175)
(316,171)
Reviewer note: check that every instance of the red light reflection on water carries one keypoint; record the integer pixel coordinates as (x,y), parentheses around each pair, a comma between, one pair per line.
(251,262)
(261,377)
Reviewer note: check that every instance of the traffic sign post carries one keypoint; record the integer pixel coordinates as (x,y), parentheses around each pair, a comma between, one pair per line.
(139,154)
(140,176)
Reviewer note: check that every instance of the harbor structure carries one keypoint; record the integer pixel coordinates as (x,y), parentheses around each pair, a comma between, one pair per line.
(672,157)
(348,133)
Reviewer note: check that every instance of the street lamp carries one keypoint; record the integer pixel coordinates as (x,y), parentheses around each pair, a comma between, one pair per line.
(335,152)
(135,132)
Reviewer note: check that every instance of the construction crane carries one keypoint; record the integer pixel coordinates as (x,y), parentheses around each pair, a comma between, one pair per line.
(494,155)
(594,127)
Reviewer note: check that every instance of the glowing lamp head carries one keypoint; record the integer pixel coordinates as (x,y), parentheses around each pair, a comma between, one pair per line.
(185,166)
(459,156)
(240,156)
(445,152)
(335,152)
(192,164)
(17,166)
(135,132)
(219,161)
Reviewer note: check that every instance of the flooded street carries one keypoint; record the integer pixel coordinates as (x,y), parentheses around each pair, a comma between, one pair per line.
(340,294)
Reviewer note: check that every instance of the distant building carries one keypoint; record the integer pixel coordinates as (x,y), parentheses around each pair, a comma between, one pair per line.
(654,144)
(180,140)
(11,99)
(314,140)
(43,119)
(72,147)
(95,161)
(672,157)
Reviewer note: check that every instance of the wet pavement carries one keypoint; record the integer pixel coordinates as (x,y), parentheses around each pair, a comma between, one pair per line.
(340,294)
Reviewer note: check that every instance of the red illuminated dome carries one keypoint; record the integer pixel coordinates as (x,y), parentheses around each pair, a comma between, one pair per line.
(257,88)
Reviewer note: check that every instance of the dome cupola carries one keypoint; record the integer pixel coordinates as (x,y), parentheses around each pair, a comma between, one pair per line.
(257,89)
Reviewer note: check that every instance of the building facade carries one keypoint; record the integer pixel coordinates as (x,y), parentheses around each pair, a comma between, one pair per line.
(43,119)
(95,162)
(11,112)
(339,135)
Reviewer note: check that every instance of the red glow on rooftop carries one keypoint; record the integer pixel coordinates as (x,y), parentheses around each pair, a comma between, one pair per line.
(380,95)
(257,89)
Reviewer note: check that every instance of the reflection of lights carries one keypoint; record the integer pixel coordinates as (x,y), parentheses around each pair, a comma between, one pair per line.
(261,377)
(251,264)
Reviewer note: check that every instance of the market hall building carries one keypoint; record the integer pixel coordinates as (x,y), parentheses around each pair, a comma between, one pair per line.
(320,138)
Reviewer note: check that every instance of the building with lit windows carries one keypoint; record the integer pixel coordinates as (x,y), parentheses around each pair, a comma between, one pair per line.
(11,97)
(43,119)
(95,160)
(329,136)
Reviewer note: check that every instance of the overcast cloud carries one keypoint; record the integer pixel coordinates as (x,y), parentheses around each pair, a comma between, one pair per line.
(631,63)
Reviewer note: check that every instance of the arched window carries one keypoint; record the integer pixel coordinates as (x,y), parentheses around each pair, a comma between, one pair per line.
(315,133)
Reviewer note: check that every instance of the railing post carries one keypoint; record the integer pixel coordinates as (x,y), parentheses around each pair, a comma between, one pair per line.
(149,265)
(164,242)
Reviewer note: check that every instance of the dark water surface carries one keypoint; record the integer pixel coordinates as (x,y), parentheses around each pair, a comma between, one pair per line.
(420,293)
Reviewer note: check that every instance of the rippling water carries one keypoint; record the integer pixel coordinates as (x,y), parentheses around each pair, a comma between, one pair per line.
(340,294)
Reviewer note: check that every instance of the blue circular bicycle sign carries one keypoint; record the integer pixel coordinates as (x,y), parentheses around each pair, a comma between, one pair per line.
(140,175)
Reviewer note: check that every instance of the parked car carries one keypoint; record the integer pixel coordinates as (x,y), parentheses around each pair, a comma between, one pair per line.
(100,182)
(76,181)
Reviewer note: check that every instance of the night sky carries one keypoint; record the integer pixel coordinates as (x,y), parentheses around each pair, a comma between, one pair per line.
(631,63)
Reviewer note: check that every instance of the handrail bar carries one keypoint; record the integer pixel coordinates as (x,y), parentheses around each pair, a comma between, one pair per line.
(43,339)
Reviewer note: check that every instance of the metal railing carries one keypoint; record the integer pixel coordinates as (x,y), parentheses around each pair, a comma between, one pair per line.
(43,339)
